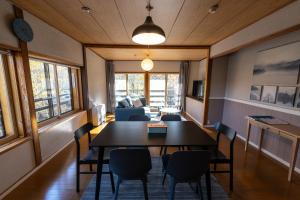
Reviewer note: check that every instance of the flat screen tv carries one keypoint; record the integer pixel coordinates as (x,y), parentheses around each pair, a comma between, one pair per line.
(198,90)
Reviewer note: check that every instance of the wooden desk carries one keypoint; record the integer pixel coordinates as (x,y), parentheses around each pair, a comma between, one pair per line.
(134,134)
(284,130)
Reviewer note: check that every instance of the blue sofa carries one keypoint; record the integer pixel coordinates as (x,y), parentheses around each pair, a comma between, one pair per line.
(123,114)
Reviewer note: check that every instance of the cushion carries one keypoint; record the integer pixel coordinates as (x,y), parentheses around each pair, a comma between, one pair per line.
(137,103)
(124,103)
(129,100)
(143,100)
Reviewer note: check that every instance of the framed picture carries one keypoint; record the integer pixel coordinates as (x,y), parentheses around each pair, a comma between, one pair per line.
(277,66)
(297,101)
(286,96)
(269,94)
(255,92)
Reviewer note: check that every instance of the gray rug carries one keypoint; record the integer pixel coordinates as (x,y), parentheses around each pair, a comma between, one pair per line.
(134,189)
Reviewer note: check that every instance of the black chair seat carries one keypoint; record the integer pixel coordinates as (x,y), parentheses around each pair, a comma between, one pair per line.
(219,157)
(92,156)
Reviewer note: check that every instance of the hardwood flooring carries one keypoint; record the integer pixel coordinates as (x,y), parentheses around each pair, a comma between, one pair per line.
(256,177)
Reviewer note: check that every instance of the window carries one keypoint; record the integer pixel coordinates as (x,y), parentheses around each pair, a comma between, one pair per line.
(132,84)
(52,89)
(164,90)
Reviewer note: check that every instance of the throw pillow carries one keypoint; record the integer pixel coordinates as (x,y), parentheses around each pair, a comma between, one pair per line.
(129,100)
(143,100)
(137,103)
(124,103)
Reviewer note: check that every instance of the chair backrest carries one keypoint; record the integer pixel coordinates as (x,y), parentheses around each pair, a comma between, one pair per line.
(188,165)
(85,129)
(171,118)
(139,118)
(228,132)
(130,163)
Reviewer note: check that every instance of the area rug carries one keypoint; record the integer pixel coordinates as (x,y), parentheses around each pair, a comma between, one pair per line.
(134,190)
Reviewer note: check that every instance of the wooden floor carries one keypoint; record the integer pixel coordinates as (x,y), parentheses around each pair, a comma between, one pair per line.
(256,177)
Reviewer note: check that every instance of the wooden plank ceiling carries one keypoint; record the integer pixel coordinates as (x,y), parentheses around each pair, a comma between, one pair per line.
(185,22)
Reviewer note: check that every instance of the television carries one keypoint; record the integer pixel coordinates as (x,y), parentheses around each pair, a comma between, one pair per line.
(198,89)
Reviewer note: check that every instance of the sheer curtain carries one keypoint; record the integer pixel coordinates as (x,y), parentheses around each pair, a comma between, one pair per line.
(110,86)
(184,73)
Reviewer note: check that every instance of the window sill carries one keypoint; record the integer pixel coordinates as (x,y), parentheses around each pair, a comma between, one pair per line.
(13,144)
(43,127)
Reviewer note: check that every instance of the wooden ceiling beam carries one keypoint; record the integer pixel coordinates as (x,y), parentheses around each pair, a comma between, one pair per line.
(92,45)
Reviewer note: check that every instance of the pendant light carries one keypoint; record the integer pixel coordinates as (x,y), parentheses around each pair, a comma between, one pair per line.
(147,64)
(148,33)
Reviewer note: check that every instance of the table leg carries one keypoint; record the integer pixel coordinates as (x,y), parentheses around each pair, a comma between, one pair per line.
(261,136)
(295,146)
(248,135)
(99,172)
(208,184)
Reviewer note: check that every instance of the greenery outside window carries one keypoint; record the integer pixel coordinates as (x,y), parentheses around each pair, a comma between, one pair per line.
(52,86)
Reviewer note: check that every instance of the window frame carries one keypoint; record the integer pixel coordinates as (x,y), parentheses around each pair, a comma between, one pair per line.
(75,90)
(127,73)
(11,103)
(147,83)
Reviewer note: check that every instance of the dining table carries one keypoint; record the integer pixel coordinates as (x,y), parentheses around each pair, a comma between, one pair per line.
(135,134)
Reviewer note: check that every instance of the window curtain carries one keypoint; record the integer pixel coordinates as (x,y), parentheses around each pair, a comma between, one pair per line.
(184,73)
(110,86)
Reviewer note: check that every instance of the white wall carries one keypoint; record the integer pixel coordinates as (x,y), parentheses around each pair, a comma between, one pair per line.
(15,164)
(50,41)
(96,77)
(280,20)
(195,109)
(240,65)
(197,72)
(6,17)
(135,66)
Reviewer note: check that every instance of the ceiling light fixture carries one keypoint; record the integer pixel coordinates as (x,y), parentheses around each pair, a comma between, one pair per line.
(147,64)
(213,9)
(148,33)
(86,9)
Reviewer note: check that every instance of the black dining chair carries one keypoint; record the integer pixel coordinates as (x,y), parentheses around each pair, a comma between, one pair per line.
(218,157)
(169,118)
(139,118)
(187,167)
(90,157)
(130,164)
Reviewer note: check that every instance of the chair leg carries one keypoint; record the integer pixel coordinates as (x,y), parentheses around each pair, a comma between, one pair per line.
(164,178)
(165,150)
(77,177)
(145,188)
(199,189)
(91,167)
(172,188)
(112,182)
(215,166)
(117,188)
(161,150)
(208,184)
(231,177)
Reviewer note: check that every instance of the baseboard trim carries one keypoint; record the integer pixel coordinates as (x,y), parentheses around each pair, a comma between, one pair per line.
(269,154)
(197,122)
(20,181)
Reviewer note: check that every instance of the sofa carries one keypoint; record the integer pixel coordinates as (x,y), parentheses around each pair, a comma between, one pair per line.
(125,109)
(123,114)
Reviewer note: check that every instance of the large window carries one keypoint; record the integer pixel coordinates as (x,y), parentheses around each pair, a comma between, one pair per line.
(164,90)
(52,89)
(131,84)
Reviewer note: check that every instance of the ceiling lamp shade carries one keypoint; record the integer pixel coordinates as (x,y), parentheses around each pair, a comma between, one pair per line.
(147,64)
(148,33)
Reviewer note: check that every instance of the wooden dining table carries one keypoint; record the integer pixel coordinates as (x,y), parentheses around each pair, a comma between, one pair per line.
(135,134)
